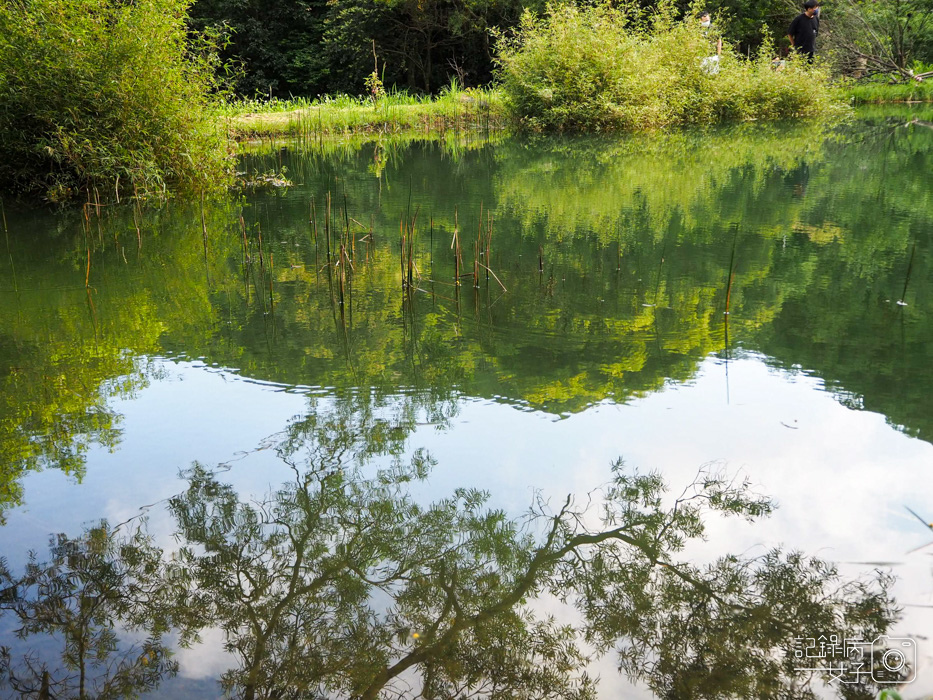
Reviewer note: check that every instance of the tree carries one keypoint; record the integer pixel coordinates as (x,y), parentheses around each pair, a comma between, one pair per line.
(752,23)
(868,38)
(272,47)
(309,47)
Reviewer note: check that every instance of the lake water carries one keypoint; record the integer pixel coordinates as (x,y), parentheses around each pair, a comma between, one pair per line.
(755,298)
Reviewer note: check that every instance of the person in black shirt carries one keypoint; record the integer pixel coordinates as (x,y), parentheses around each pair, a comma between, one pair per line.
(803,29)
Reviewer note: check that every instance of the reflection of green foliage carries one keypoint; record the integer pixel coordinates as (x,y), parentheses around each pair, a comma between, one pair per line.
(357,428)
(66,351)
(91,584)
(608,318)
(59,411)
(848,326)
(53,405)
(622,189)
(702,632)
(635,271)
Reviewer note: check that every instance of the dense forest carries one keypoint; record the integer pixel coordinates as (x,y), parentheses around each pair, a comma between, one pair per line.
(317,47)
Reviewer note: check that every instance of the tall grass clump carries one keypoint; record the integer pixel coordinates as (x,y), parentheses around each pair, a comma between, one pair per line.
(873,92)
(108,95)
(599,67)
(454,109)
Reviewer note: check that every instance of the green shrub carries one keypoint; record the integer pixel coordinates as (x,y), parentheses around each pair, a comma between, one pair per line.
(105,94)
(597,68)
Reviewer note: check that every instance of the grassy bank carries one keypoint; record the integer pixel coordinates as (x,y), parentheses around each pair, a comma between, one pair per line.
(883,93)
(453,110)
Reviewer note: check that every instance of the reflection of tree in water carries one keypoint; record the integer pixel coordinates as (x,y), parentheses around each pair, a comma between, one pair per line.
(636,236)
(341,584)
(54,407)
(356,426)
(90,587)
(67,350)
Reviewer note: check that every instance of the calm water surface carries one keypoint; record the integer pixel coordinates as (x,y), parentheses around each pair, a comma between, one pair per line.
(757,298)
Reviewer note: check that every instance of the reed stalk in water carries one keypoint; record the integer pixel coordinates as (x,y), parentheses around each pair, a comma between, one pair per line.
(455,245)
(9,252)
(910,265)
(735,238)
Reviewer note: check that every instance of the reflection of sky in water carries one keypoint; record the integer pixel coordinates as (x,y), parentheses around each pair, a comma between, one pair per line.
(841,477)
